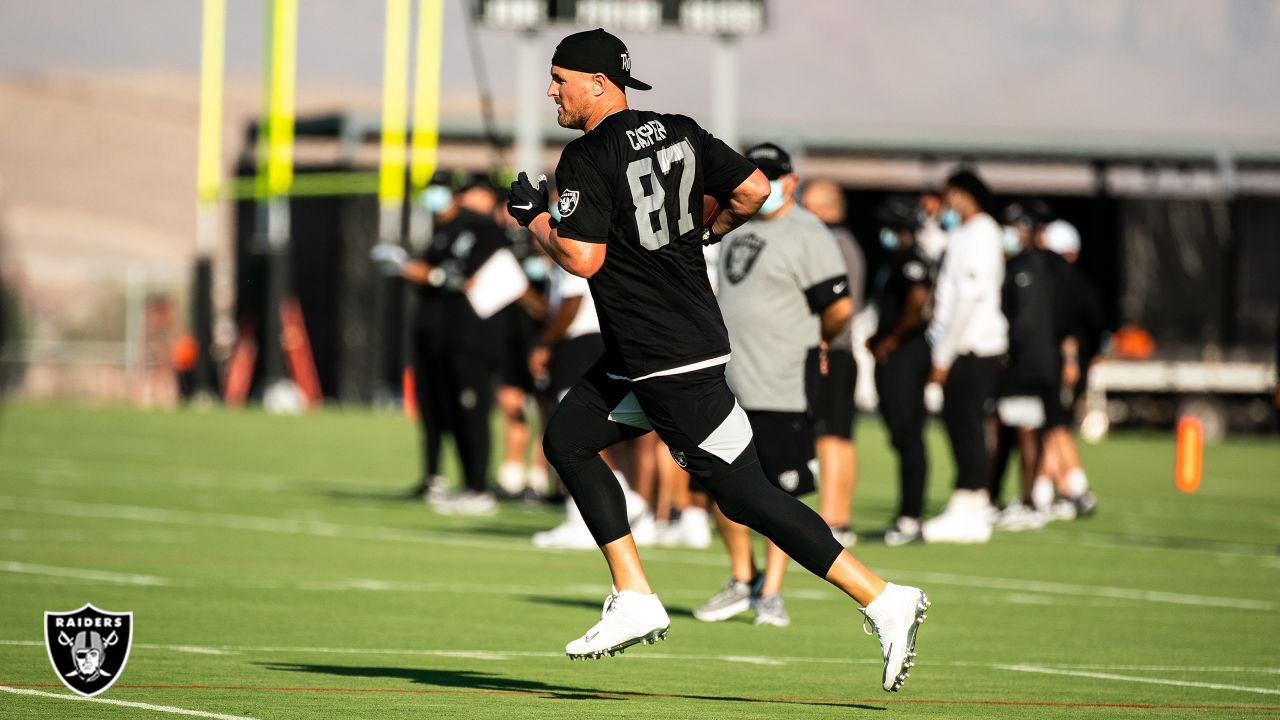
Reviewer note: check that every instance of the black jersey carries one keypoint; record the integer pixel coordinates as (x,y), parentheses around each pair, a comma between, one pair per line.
(1029,300)
(902,271)
(457,250)
(636,182)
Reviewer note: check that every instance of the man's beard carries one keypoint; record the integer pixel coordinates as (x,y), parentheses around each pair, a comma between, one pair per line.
(570,120)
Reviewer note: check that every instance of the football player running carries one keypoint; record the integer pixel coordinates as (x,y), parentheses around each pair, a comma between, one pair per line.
(631,195)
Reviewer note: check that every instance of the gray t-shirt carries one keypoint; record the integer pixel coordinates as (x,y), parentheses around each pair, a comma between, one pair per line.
(856,266)
(776,276)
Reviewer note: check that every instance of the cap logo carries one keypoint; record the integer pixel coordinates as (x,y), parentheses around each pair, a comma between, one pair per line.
(626,62)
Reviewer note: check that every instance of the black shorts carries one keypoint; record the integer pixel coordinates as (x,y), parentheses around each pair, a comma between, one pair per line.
(784,443)
(695,413)
(571,359)
(831,395)
(517,342)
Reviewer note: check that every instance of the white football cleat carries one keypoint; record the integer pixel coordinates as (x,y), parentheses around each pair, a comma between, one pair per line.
(894,617)
(629,618)
(1019,516)
(967,519)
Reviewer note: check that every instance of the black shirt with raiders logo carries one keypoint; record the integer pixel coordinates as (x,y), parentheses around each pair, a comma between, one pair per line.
(457,250)
(636,182)
(902,271)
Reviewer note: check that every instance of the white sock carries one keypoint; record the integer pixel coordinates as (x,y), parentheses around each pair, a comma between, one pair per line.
(1042,493)
(1077,482)
(511,477)
(539,480)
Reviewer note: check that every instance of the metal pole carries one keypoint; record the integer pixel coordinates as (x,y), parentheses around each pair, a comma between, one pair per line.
(724,89)
(530,88)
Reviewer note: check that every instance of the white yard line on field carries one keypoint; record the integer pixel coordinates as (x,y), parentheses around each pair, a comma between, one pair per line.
(1087,671)
(122,703)
(317,528)
(1136,679)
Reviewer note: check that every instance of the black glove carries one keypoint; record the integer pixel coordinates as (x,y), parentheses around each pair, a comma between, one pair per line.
(527,202)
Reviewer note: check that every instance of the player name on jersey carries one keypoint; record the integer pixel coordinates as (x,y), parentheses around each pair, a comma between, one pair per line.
(646,135)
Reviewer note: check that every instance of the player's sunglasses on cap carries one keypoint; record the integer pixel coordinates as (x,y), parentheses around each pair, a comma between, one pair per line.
(772,160)
(596,51)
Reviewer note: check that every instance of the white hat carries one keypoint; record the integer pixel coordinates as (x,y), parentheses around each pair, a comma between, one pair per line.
(1061,237)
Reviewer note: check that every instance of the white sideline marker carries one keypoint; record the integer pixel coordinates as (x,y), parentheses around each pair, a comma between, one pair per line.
(122,703)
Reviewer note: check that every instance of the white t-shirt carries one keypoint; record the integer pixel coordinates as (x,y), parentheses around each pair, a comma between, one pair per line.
(966,300)
(563,285)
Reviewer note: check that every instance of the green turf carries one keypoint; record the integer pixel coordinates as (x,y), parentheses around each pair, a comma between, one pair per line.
(272,573)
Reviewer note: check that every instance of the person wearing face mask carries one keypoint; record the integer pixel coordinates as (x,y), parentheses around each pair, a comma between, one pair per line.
(831,374)
(968,335)
(901,297)
(456,354)
(783,289)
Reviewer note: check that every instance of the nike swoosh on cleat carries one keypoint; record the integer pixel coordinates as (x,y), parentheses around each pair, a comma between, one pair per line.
(590,637)
(523,207)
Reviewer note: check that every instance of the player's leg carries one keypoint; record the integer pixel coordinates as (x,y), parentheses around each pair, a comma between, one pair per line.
(594,415)
(783,443)
(966,396)
(707,431)
(433,414)
(900,383)
(471,403)
(837,457)
(515,439)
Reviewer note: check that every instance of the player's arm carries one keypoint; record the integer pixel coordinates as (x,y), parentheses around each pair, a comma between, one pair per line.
(835,317)
(912,317)
(580,258)
(742,204)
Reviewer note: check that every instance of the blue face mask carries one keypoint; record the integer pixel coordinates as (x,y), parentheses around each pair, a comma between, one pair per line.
(775,199)
(1011,240)
(949,219)
(535,268)
(436,198)
(889,239)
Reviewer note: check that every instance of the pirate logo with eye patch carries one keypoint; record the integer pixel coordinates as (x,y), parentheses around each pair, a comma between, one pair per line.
(88,647)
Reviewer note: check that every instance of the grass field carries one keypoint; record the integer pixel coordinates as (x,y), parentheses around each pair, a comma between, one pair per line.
(272,573)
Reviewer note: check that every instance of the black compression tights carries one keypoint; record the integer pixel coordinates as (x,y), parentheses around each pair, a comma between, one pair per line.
(576,435)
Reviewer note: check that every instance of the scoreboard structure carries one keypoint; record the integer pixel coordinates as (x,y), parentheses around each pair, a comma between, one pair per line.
(707,17)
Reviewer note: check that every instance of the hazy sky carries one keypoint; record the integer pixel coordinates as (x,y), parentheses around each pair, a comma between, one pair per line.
(1204,70)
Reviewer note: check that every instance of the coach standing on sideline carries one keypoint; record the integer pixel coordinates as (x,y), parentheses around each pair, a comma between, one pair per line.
(631,205)
(782,290)
(902,358)
(456,354)
(832,374)
(968,335)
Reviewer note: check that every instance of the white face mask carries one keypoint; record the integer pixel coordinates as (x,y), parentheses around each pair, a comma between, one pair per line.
(436,198)
(775,199)
(1011,240)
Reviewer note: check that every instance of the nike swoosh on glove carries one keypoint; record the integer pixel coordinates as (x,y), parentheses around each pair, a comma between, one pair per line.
(526,202)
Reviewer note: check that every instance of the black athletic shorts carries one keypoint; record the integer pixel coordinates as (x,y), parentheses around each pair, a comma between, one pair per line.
(784,443)
(831,395)
(517,342)
(695,413)
(571,359)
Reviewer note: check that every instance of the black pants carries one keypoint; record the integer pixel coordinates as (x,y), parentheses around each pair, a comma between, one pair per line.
(900,382)
(708,434)
(968,400)
(454,391)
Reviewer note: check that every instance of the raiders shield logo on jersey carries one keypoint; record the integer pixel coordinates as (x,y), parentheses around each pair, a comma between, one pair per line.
(88,647)
(740,255)
(568,202)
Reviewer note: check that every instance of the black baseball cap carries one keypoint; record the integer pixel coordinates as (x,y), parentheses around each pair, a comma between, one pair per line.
(772,160)
(596,51)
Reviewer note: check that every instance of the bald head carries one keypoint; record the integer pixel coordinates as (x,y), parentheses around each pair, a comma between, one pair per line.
(824,199)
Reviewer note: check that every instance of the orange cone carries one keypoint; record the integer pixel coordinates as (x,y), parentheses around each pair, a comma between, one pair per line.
(1189,454)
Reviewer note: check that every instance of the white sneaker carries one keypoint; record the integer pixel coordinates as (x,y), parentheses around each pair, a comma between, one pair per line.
(644,531)
(628,618)
(695,528)
(904,531)
(966,520)
(845,536)
(467,502)
(894,617)
(1062,509)
(1018,516)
